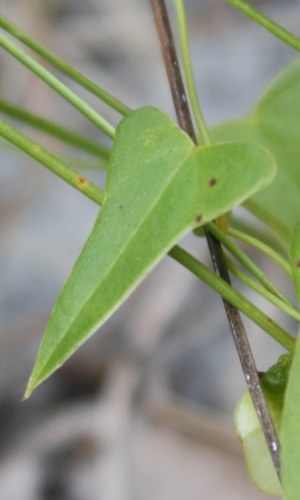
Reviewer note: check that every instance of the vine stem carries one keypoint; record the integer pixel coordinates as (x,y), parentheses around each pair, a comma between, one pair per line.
(52,162)
(63,66)
(188,71)
(54,129)
(266,249)
(57,85)
(267,23)
(234,318)
(289,309)
(246,262)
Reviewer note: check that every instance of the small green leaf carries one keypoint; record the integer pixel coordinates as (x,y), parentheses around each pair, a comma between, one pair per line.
(159,186)
(258,459)
(274,123)
(276,378)
(257,456)
(291,414)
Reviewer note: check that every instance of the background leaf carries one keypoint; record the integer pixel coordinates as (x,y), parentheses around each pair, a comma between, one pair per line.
(159,186)
(257,456)
(258,459)
(274,123)
(291,414)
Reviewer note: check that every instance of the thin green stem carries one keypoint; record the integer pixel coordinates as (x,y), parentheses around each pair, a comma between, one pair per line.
(57,85)
(188,71)
(84,164)
(63,66)
(290,310)
(246,262)
(267,23)
(69,137)
(233,297)
(254,242)
(52,162)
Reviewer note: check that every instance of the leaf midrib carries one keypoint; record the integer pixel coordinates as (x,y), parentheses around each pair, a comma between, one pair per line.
(119,255)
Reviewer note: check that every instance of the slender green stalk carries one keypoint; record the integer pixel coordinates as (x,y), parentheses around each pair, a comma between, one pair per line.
(239,235)
(52,162)
(55,130)
(57,85)
(73,162)
(63,66)
(188,71)
(267,23)
(246,262)
(84,164)
(233,297)
(290,310)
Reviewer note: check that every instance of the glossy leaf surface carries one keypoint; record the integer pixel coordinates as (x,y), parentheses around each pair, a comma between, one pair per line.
(159,186)
(274,123)
(291,415)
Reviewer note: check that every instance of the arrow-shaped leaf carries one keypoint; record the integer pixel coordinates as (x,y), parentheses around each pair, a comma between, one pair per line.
(159,186)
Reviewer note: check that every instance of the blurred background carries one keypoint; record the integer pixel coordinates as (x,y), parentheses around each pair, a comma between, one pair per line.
(145,409)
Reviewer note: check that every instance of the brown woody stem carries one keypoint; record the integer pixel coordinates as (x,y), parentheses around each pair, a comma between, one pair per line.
(233,315)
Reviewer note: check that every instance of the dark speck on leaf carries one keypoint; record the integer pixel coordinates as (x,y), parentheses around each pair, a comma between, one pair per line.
(298,263)
(212,181)
(198,218)
(269,320)
(120,205)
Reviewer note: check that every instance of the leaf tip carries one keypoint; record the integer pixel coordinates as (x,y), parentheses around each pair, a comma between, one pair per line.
(27,394)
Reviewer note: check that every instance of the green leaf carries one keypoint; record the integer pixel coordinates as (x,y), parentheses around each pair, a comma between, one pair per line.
(274,123)
(291,414)
(257,456)
(258,459)
(159,186)
(290,453)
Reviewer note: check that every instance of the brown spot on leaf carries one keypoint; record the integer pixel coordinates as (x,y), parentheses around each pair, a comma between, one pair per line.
(198,218)
(212,181)
(269,320)
(298,263)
